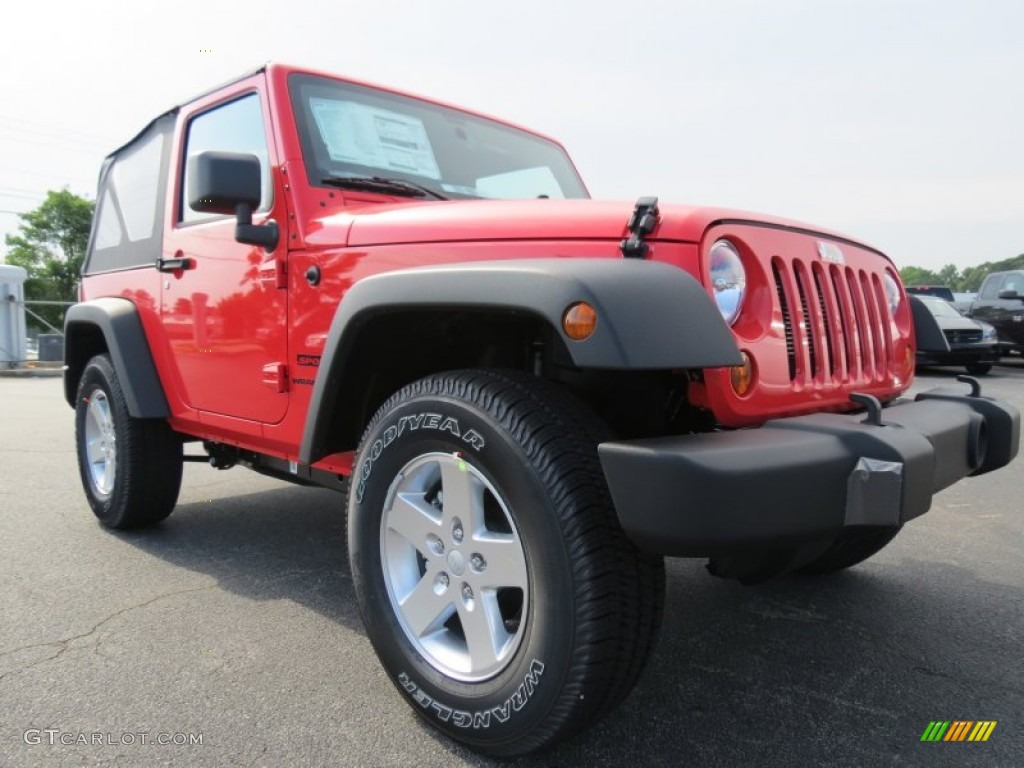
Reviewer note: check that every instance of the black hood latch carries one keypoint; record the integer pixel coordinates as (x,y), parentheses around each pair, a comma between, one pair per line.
(641,223)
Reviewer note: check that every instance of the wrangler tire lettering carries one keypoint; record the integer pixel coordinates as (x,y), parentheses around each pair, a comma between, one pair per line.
(480,719)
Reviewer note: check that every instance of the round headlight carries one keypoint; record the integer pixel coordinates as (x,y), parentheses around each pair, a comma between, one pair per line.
(728,279)
(892,292)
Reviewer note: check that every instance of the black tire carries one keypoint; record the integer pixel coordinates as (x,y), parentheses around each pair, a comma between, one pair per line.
(854,545)
(590,603)
(145,471)
(979,369)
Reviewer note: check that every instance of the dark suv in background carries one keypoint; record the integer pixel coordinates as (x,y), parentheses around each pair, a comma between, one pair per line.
(1000,302)
(938,291)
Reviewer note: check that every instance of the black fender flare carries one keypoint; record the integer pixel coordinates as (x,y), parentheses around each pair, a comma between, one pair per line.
(928,334)
(651,316)
(119,323)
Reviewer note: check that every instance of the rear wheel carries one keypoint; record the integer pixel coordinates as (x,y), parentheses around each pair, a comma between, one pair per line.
(854,545)
(496,585)
(130,468)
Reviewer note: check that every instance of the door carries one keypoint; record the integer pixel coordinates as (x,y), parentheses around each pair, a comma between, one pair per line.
(225,315)
(1007,315)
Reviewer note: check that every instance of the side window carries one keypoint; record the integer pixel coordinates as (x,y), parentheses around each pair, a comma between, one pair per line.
(233,127)
(990,288)
(1013,282)
(128,225)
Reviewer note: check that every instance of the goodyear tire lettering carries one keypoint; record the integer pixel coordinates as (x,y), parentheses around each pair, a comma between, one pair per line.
(435,421)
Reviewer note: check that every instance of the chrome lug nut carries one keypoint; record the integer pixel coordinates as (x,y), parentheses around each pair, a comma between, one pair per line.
(435,545)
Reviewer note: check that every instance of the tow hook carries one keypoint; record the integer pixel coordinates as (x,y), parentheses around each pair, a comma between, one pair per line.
(975,384)
(874,407)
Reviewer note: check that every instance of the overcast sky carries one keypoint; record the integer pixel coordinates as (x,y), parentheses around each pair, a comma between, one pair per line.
(900,123)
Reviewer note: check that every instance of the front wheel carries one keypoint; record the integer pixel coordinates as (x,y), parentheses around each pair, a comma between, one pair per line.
(498,590)
(130,467)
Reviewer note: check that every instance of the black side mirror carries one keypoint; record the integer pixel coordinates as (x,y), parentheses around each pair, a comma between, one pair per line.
(230,182)
(1011,294)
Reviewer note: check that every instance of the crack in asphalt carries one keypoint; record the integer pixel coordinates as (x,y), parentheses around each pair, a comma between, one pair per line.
(64,645)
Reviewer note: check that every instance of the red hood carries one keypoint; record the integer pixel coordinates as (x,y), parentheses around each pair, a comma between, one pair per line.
(477,220)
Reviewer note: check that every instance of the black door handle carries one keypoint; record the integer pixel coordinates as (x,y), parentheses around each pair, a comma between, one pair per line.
(175,265)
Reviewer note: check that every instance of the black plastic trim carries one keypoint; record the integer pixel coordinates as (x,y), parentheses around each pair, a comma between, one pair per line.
(1002,422)
(118,320)
(651,316)
(804,478)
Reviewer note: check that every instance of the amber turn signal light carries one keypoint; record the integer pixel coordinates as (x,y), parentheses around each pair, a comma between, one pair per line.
(579,321)
(742,376)
(908,361)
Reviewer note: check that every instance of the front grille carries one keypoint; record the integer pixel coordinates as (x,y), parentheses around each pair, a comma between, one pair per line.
(836,321)
(962,336)
(787,317)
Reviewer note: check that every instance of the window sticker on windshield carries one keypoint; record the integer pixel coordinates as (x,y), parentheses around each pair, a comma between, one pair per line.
(364,135)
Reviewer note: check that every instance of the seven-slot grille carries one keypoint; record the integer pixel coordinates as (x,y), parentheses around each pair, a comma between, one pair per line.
(963,336)
(836,321)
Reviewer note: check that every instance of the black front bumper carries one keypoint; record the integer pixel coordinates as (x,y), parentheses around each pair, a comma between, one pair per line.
(960,354)
(804,478)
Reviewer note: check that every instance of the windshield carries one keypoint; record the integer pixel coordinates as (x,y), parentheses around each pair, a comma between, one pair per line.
(349,130)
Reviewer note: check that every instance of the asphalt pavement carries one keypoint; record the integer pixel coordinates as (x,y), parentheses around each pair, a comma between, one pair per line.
(234,624)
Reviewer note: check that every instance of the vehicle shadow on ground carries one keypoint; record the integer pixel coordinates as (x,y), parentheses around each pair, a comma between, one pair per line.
(286,543)
(840,670)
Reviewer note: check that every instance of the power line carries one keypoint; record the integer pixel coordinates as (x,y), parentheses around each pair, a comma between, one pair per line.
(56,144)
(16,171)
(23,197)
(19,189)
(37,126)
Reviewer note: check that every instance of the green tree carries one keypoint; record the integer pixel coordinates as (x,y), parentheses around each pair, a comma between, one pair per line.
(967,281)
(50,245)
(972,277)
(918,276)
(949,275)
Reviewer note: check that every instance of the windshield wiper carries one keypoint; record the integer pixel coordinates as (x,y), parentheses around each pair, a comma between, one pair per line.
(380,184)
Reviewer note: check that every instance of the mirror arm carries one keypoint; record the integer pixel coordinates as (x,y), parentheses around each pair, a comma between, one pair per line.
(246,232)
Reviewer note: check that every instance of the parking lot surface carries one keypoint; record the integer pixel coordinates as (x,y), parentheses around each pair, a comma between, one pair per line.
(234,622)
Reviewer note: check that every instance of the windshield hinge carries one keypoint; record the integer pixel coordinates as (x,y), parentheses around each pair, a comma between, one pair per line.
(641,223)
(281,270)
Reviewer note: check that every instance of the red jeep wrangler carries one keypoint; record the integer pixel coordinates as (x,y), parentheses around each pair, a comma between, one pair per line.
(529,397)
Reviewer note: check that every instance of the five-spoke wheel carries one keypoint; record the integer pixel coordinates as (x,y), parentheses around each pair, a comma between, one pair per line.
(130,466)
(495,583)
(454,565)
